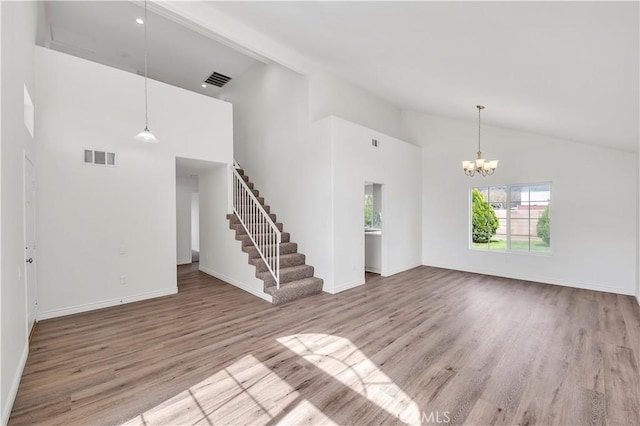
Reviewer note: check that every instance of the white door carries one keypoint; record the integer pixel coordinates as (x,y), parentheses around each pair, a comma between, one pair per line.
(30,241)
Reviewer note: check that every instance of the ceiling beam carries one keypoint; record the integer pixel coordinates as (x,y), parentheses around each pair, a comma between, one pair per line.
(210,22)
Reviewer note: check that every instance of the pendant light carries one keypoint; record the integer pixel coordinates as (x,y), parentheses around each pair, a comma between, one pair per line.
(480,165)
(145,135)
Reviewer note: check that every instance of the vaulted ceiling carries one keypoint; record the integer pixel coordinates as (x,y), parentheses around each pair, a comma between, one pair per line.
(107,32)
(562,69)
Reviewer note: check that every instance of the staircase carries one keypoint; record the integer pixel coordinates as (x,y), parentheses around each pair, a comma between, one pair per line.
(295,276)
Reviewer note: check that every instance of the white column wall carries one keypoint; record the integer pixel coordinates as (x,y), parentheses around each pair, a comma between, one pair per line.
(396,165)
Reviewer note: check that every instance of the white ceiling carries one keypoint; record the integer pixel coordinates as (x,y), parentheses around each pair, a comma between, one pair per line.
(106,32)
(564,69)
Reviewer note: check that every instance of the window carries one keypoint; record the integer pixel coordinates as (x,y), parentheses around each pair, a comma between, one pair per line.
(372,219)
(511,218)
(372,206)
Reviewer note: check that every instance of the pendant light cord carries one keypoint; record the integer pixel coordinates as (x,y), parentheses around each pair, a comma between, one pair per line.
(146,103)
(479,109)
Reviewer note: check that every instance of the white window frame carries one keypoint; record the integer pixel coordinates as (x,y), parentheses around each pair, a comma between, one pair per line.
(508,220)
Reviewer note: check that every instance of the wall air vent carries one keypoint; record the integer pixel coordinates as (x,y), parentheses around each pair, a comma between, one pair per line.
(217,79)
(99,158)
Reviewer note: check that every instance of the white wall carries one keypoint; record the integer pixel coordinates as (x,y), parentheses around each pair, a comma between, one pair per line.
(594,223)
(396,165)
(289,168)
(97,224)
(291,162)
(17,29)
(329,95)
(221,254)
(185,187)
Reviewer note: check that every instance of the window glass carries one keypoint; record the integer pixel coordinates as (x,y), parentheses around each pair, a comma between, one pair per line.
(511,218)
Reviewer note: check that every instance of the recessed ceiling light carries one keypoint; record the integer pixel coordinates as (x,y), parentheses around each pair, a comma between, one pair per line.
(140,21)
(204,85)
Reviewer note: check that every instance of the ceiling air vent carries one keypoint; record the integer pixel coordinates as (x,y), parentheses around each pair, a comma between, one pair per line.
(217,79)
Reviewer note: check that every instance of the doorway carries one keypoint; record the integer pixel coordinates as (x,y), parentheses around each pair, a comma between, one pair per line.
(186,188)
(195,227)
(373,229)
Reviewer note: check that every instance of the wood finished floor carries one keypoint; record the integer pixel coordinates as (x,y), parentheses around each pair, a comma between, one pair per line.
(425,345)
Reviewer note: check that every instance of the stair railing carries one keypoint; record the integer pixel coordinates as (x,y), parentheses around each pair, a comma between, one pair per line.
(262,231)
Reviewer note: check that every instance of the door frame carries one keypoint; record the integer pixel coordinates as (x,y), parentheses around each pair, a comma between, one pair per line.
(30,278)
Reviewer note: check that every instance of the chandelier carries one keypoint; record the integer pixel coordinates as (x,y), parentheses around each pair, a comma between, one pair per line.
(480,165)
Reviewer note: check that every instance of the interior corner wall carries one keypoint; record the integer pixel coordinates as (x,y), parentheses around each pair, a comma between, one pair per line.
(185,187)
(98,226)
(593,216)
(329,95)
(273,145)
(18,29)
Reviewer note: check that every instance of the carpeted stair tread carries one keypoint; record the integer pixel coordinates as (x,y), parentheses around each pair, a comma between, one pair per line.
(295,290)
(285,248)
(240,229)
(235,219)
(286,261)
(292,273)
(246,240)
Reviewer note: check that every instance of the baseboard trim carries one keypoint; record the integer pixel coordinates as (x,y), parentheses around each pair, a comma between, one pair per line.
(15,383)
(55,313)
(390,272)
(347,286)
(373,270)
(544,280)
(33,331)
(236,283)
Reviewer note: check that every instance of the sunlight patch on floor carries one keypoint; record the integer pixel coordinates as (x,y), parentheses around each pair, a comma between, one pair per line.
(305,413)
(247,389)
(342,360)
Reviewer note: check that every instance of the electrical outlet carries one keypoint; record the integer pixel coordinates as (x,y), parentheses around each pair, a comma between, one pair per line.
(123,250)
(123,279)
